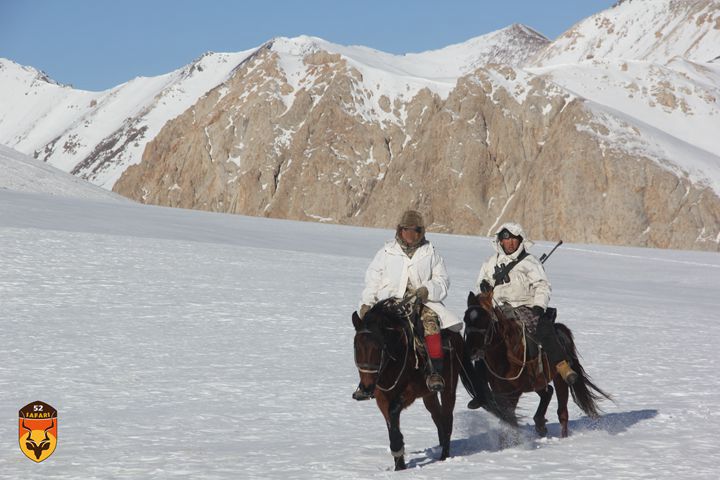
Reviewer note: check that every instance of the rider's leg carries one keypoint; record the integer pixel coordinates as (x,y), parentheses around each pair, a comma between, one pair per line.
(433,344)
(556,355)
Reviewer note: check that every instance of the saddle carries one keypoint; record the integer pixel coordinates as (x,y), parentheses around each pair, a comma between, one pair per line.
(537,368)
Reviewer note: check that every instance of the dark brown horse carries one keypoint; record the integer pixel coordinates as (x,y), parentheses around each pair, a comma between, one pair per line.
(393,371)
(501,343)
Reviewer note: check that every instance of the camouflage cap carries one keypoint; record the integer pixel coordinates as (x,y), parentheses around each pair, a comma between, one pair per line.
(412,218)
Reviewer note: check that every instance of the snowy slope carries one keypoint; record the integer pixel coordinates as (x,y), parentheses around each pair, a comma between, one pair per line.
(650,30)
(183,344)
(676,108)
(21,173)
(644,67)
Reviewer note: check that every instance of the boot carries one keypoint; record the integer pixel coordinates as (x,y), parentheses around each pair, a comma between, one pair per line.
(434,381)
(567,373)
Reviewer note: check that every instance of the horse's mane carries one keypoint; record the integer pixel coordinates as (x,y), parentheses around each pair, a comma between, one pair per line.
(389,312)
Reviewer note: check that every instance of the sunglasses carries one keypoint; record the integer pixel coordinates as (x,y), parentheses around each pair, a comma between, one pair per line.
(505,234)
(414,229)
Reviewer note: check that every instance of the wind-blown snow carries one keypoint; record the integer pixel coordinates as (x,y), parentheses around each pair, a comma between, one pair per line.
(185,344)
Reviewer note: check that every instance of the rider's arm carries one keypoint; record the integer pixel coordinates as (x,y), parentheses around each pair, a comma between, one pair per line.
(485,273)
(539,283)
(373,279)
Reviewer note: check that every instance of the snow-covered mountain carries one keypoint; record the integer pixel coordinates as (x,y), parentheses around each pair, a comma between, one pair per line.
(97,135)
(605,135)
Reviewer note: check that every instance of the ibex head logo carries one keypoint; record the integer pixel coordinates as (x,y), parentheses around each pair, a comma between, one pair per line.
(38,430)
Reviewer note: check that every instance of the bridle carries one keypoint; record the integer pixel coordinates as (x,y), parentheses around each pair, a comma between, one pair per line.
(488,335)
(385,356)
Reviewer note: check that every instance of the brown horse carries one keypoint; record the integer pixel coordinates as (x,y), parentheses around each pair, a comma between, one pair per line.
(502,343)
(392,370)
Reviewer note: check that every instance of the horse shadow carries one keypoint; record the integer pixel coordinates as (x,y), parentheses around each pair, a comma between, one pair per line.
(495,437)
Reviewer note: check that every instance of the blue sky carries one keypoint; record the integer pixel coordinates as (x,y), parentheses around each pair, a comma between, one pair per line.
(97,44)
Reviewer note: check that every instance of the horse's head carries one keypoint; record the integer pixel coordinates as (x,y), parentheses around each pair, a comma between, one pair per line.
(479,322)
(376,339)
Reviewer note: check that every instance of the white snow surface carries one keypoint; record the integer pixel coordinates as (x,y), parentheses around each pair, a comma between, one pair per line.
(186,344)
(21,173)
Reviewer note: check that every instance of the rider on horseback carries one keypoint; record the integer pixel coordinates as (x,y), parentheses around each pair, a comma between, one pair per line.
(522,291)
(410,269)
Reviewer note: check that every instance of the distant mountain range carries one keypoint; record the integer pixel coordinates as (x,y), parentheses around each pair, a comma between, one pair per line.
(606,135)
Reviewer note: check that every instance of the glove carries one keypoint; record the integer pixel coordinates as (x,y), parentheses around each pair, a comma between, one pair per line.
(363,310)
(538,310)
(485,286)
(422,294)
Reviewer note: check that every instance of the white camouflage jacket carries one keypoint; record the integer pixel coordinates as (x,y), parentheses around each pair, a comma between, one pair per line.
(528,283)
(389,272)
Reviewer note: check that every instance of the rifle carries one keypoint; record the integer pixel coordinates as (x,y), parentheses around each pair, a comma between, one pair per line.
(545,256)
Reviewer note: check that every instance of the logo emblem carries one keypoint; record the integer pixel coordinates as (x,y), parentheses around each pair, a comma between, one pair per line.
(38,426)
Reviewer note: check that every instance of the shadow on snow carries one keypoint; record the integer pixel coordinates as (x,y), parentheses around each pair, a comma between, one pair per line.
(497,437)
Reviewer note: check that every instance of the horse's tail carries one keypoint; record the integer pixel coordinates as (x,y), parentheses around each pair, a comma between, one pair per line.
(584,392)
(474,379)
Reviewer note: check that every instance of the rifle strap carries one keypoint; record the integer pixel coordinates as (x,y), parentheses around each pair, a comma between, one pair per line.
(501,274)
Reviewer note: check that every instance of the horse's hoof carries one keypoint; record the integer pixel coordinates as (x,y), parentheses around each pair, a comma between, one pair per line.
(475,403)
(540,427)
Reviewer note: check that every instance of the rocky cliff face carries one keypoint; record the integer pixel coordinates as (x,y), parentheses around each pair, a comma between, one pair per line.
(504,144)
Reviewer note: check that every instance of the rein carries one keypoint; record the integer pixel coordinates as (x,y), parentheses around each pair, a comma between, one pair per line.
(487,338)
(402,370)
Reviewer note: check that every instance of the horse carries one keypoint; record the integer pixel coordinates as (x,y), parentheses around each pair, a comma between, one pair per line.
(392,369)
(501,344)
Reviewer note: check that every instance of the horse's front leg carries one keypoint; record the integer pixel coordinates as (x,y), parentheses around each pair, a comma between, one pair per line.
(562,391)
(539,417)
(397,444)
(442,417)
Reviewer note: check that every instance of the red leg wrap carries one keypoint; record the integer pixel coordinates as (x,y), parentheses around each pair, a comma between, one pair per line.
(434,346)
